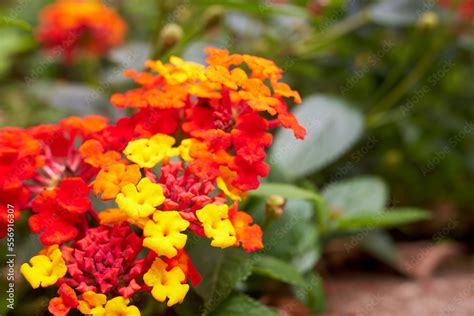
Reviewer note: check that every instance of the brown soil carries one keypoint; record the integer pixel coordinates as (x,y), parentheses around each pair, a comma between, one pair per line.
(449,291)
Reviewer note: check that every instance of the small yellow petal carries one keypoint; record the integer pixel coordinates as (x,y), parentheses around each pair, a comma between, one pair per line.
(45,269)
(141,200)
(166,284)
(216,224)
(163,233)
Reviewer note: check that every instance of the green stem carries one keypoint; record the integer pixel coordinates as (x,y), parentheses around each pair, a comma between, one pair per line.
(322,213)
(403,87)
(341,28)
(395,72)
(162,13)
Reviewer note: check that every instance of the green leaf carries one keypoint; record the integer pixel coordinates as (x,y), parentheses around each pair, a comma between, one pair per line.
(12,42)
(262,9)
(285,190)
(221,270)
(10,22)
(357,195)
(388,218)
(293,237)
(277,269)
(312,293)
(243,305)
(333,127)
(380,244)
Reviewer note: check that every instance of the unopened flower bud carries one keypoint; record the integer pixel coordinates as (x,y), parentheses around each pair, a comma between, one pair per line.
(170,35)
(428,20)
(275,206)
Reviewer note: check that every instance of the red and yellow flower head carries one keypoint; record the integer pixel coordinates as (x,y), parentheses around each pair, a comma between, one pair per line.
(178,166)
(71,27)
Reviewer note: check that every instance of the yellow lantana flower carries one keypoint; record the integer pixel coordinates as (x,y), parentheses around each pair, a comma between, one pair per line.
(93,304)
(109,181)
(163,233)
(141,200)
(184,148)
(166,284)
(46,268)
(216,223)
(148,152)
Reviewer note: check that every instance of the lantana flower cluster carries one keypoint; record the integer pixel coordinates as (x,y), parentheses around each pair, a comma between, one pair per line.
(193,148)
(74,28)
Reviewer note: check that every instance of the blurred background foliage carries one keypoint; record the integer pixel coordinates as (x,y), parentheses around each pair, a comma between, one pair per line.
(387,90)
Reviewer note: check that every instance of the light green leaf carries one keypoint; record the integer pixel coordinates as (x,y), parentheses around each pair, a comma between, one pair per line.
(243,305)
(262,9)
(285,190)
(221,270)
(388,218)
(312,293)
(357,195)
(333,127)
(10,22)
(380,244)
(277,269)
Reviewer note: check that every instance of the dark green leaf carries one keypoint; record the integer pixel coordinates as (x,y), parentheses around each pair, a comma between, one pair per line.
(277,269)
(242,305)
(312,293)
(294,237)
(221,270)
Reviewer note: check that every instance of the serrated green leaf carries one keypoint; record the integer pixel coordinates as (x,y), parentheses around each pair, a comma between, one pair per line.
(333,127)
(357,195)
(312,293)
(243,305)
(285,190)
(388,218)
(221,270)
(277,269)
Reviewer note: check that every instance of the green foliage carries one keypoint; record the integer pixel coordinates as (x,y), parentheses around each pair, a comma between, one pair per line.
(221,270)
(293,237)
(277,269)
(242,305)
(333,127)
(383,219)
(356,195)
(10,22)
(312,293)
(285,190)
